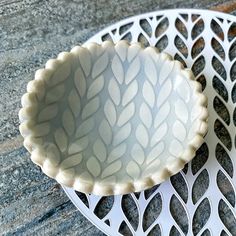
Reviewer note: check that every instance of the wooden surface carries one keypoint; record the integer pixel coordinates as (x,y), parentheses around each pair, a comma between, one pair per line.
(31,32)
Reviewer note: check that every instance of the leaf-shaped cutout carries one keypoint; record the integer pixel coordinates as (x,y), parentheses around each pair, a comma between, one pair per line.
(197,29)
(224,159)
(145,115)
(48,113)
(226,187)
(176,148)
(61,139)
(85,60)
(233,93)
(132,70)
(125,28)
(110,112)
(162,114)
(220,88)
(55,94)
(150,191)
(162,43)
(103,207)
(130,93)
(126,114)
(233,72)
(198,66)
(80,82)
(137,154)
(181,110)
(201,216)
(111,169)
(202,80)
(95,87)
(156,230)
(174,231)
(180,26)
(79,145)
(219,68)
(122,134)
(71,161)
(133,170)
(105,132)
(146,27)
(143,40)
(160,132)
(85,127)
(232,51)
(162,26)
(225,214)
(200,186)
(155,152)
(117,69)
(150,70)
(207,233)
(216,28)
(183,88)
(165,71)
(221,110)
(200,158)
(198,47)
(68,122)
(107,37)
(93,166)
(218,48)
(99,150)
(83,198)
(179,214)
(152,211)
(179,58)
(180,186)
(114,91)
(232,32)
(117,152)
(164,93)
(148,93)
(100,65)
(128,37)
(181,46)
(179,130)
(142,135)
(74,102)
(223,134)
(124,229)
(90,108)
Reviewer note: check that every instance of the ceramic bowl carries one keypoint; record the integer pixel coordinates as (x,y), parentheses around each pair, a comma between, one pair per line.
(112,119)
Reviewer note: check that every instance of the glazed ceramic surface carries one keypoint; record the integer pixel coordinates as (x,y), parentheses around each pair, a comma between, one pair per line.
(113,119)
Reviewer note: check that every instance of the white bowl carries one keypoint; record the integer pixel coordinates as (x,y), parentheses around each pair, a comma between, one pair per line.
(112,119)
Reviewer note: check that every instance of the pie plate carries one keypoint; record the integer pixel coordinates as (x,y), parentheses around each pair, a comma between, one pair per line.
(113,118)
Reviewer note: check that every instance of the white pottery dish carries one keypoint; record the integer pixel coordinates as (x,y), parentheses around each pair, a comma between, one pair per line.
(112,119)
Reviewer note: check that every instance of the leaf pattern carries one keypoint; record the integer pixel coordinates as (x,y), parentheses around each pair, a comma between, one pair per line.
(206,36)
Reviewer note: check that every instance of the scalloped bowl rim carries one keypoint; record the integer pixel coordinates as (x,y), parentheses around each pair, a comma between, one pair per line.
(38,155)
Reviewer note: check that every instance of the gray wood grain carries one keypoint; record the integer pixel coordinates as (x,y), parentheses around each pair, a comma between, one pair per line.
(31,32)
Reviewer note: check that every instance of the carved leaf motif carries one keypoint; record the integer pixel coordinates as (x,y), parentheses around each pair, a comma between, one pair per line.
(100,65)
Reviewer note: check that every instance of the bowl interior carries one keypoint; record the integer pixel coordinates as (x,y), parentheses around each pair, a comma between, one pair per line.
(118,114)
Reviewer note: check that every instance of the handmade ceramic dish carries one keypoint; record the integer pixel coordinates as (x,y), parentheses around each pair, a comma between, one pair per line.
(112,119)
